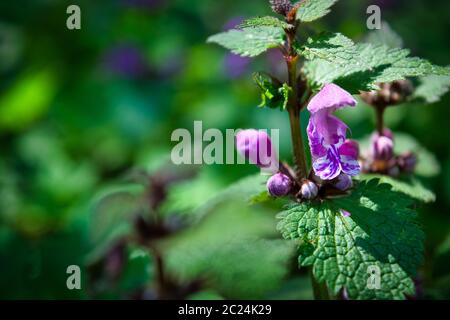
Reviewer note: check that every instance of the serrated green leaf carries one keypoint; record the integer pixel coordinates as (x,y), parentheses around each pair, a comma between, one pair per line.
(371,64)
(332,47)
(267,21)
(381,232)
(311,10)
(432,88)
(250,42)
(408,185)
(385,36)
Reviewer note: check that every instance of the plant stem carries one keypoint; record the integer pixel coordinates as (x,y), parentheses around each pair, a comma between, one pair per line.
(379,110)
(294,108)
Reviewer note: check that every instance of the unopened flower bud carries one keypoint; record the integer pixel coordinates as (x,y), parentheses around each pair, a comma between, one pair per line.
(309,190)
(279,185)
(382,148)
(281,6)
(407,162)
(343,182)
(256,146)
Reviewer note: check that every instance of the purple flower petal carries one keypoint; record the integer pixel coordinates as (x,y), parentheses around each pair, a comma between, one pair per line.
(350,148)
(328,167)
(331,97)
(350,166)
(315,142)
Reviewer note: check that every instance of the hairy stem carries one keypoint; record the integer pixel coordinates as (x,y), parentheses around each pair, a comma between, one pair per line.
(294,108)
(379,110)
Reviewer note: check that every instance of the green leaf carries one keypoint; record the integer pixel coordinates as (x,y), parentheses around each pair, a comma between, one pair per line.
(385,36)
(332,47)
(311,10)
(370,65)
(267,21)
(410,186)
(432,88)
(381,231)
(250,42)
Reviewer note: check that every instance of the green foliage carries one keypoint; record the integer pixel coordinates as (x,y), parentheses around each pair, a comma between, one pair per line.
(381,231)
(138,269)
(247,189)
(332,47)
(267,21)
(410,186)
(432,88)
(311,10)
(273,94)
(229,249)
(250,42)
(370,65)
(27,100)
(112,216)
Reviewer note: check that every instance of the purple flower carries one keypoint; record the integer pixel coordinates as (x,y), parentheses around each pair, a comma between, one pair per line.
(256,146)
(279,185)
(235,65)
(331,152)
(125,60)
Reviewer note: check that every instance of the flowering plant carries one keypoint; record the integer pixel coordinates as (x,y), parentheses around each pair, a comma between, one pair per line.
(348,231)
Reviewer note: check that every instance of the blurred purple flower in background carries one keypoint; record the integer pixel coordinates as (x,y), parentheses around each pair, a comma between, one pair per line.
(125,60)
(235,65)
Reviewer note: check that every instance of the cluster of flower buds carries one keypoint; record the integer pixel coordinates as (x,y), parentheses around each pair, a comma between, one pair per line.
(281,6)
(250,144)
(389,94)
(382,159)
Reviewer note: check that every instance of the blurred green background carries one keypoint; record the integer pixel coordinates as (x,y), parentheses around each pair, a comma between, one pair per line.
(81,111)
